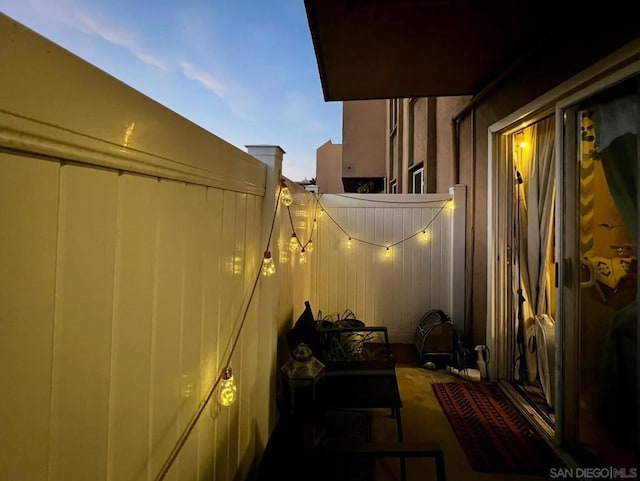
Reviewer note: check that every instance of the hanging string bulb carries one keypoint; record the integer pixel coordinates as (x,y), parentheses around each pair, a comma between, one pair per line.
(310,246)
(425,235)
(302,258)
(349,243)
(315,224)
(227,391)
(268,266)
(387,253)
(450,204)
(321,213)
(285,196)
(293,243)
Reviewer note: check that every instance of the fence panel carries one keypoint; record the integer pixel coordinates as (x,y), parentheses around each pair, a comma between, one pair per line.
(390,273)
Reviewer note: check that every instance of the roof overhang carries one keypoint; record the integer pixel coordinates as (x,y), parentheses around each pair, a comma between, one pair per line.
(368,49)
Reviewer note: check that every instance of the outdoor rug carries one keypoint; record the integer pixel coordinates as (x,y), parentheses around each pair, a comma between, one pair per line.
(494,435)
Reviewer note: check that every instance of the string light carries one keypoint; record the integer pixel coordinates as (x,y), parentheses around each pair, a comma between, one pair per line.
(315,224)
(268,266)
(227,391)
(286,197)
(447,204)
(387,253)
(293,243)
(302,258)
(310,246)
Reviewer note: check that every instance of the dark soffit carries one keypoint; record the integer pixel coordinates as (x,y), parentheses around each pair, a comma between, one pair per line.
(377,49)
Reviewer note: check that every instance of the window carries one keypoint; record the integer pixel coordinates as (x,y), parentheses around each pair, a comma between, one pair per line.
(417,176)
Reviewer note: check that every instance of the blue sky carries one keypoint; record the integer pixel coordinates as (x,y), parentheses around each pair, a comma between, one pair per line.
(244,70)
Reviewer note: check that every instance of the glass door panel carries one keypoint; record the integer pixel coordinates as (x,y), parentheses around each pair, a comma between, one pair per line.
(600,403)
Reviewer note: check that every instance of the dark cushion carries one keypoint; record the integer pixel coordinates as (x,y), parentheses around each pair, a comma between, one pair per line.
(304,330)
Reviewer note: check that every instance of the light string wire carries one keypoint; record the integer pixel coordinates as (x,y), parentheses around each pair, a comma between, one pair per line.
(315,216)
(203,404)
(346,196)
(420,231)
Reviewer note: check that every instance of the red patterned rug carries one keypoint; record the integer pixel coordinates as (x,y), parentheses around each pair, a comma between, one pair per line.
(494,435)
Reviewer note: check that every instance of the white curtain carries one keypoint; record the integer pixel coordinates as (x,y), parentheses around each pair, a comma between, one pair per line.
(536,165)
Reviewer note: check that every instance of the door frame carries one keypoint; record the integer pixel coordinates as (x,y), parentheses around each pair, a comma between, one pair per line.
(618,66)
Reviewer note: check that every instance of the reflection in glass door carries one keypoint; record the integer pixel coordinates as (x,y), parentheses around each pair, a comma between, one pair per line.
(600,316)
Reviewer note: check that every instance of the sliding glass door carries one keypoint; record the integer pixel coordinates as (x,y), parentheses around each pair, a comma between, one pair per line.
(599,315)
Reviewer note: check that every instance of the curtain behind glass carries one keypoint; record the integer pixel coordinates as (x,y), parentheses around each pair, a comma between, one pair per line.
(537,193)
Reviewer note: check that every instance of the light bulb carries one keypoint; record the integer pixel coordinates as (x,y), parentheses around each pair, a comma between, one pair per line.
(286,197)
(387,253)
(425,235)
(310,246)
(315,224)
(227,391)
(268,266)
(451,205)
(293,243)
(321,213)
(302,258)
(349,243)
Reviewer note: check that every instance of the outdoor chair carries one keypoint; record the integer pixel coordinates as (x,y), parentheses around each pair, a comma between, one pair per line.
(359,376)
(342,345)
(359,365)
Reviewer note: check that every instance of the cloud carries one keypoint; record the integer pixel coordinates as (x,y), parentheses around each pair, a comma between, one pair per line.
(241,104)
(206,79)
(94,25)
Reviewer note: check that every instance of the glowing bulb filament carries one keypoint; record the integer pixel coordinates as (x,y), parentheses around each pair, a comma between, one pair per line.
(268,266)
(349,243)
(451,205)
(315,224)
(310,246)
(425,235)
(387,253)
(227,391)
(286,197)
(293,243)
(303,257)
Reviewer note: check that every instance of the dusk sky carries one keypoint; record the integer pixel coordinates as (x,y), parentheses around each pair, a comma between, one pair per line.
(244,70)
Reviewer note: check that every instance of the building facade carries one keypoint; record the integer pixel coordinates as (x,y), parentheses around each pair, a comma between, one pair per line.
(419,144)
(329,168)
(358,164)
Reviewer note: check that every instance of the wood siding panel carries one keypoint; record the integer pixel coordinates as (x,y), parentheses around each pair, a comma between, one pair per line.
(228,311)
(165,375)
(28,214)
(83,316)
(132,323)
(191,321)
(210,340)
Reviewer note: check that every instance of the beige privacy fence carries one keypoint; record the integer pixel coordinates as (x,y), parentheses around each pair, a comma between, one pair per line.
(389,258)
